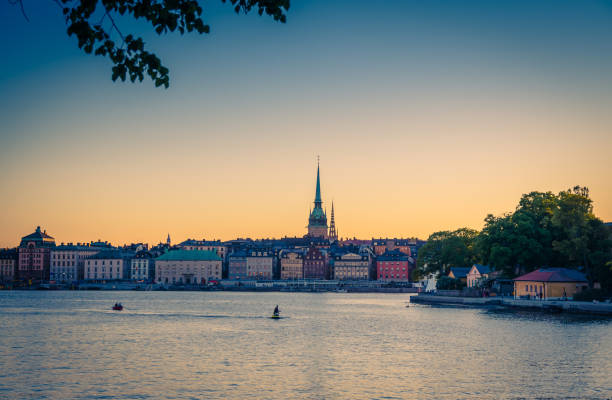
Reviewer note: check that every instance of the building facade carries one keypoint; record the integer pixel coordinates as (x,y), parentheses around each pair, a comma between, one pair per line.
(393,265)
(477,273)
(316,264)
(351,266)
(68,261)
(142,267)
(8,265)
(107,265)
(550,283)
(317,220)
(260,264)
(237,265)
(34,257)
(196,267)
(292,264)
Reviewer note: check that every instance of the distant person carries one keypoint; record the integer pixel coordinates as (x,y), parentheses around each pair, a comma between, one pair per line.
(276,311)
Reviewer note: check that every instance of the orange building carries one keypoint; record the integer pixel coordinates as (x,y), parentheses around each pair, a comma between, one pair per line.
(550,283)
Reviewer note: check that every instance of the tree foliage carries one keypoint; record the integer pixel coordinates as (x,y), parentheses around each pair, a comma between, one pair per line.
(92,22)
(444,250)
(548,230)
(448,283)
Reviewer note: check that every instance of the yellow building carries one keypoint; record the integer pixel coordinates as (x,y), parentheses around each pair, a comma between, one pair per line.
(550,283)
(352,266)
(292,264)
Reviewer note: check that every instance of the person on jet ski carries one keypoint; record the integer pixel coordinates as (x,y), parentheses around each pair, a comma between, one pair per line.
(276,311)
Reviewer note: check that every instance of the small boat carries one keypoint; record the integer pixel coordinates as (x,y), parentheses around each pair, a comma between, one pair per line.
(275,316)
(117,307)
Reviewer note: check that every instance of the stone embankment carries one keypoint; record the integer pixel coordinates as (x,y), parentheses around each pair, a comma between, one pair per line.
(580,307)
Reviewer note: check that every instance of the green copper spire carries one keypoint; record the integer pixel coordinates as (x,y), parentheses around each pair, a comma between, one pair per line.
(317,200)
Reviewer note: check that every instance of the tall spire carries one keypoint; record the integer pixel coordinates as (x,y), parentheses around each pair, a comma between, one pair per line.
(318,193)
(333,234)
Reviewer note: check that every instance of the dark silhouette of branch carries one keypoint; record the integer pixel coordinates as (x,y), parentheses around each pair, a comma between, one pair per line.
(20,2)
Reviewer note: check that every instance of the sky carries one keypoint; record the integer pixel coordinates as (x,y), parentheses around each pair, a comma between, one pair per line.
(426,115)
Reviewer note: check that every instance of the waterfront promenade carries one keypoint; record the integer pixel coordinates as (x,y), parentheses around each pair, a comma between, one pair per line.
(581,307)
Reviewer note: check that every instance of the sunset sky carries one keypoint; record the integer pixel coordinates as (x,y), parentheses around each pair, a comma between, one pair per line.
(427,115)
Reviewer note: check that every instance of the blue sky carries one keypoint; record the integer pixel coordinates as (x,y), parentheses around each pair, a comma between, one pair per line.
(483,99)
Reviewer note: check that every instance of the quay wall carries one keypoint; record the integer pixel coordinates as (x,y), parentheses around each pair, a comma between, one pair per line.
(544,305)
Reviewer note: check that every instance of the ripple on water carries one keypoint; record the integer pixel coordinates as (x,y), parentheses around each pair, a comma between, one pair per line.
(221,345)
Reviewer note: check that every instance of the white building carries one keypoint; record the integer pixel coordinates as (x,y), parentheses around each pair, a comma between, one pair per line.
(107,265)
(68,261)
(260,264)
(142,267)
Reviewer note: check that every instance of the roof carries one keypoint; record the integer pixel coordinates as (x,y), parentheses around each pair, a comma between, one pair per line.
(40,237)
(8,254)
(393,255)
(189,255)
(483,269)
(238,254)
(553,275)
(110,254)
(194,242)
(460,272)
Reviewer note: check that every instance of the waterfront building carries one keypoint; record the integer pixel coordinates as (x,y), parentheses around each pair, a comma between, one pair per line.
(68,261)
(34,257)
(237,265)
(380,246)
(476,274)
(351,266)
(291,264)
(550,283)
(142,267)
(459,273)
(107,265)
(215,246)
(8,265)
(317,220)
(393,265)
(188,267)
(316,264)
(260,263)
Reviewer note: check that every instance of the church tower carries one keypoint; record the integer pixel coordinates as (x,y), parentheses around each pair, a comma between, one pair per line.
(317,221)
(333,234)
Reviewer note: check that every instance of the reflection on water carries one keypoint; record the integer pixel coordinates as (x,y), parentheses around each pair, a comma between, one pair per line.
(223,345)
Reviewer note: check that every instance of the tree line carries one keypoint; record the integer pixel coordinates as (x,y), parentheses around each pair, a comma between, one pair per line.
(546,230)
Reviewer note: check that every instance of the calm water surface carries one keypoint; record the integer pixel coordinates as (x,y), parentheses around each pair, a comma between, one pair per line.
(218,345)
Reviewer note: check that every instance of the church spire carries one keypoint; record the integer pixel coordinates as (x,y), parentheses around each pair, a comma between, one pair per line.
(318,200)
(333,234)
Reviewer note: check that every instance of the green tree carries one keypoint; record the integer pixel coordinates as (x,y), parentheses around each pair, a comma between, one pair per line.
(548,230)
(444,250)
(93,21)
(583,240)
(519,242)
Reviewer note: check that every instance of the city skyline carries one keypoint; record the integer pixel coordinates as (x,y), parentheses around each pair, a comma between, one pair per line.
(427,117)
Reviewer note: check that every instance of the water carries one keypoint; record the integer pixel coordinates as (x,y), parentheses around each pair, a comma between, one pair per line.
(218,345)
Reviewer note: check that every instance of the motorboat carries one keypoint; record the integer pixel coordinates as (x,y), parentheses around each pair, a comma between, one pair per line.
(117,307)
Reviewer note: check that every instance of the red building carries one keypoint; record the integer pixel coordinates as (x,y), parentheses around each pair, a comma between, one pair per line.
(315,264)
(35,257)
(393,265)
